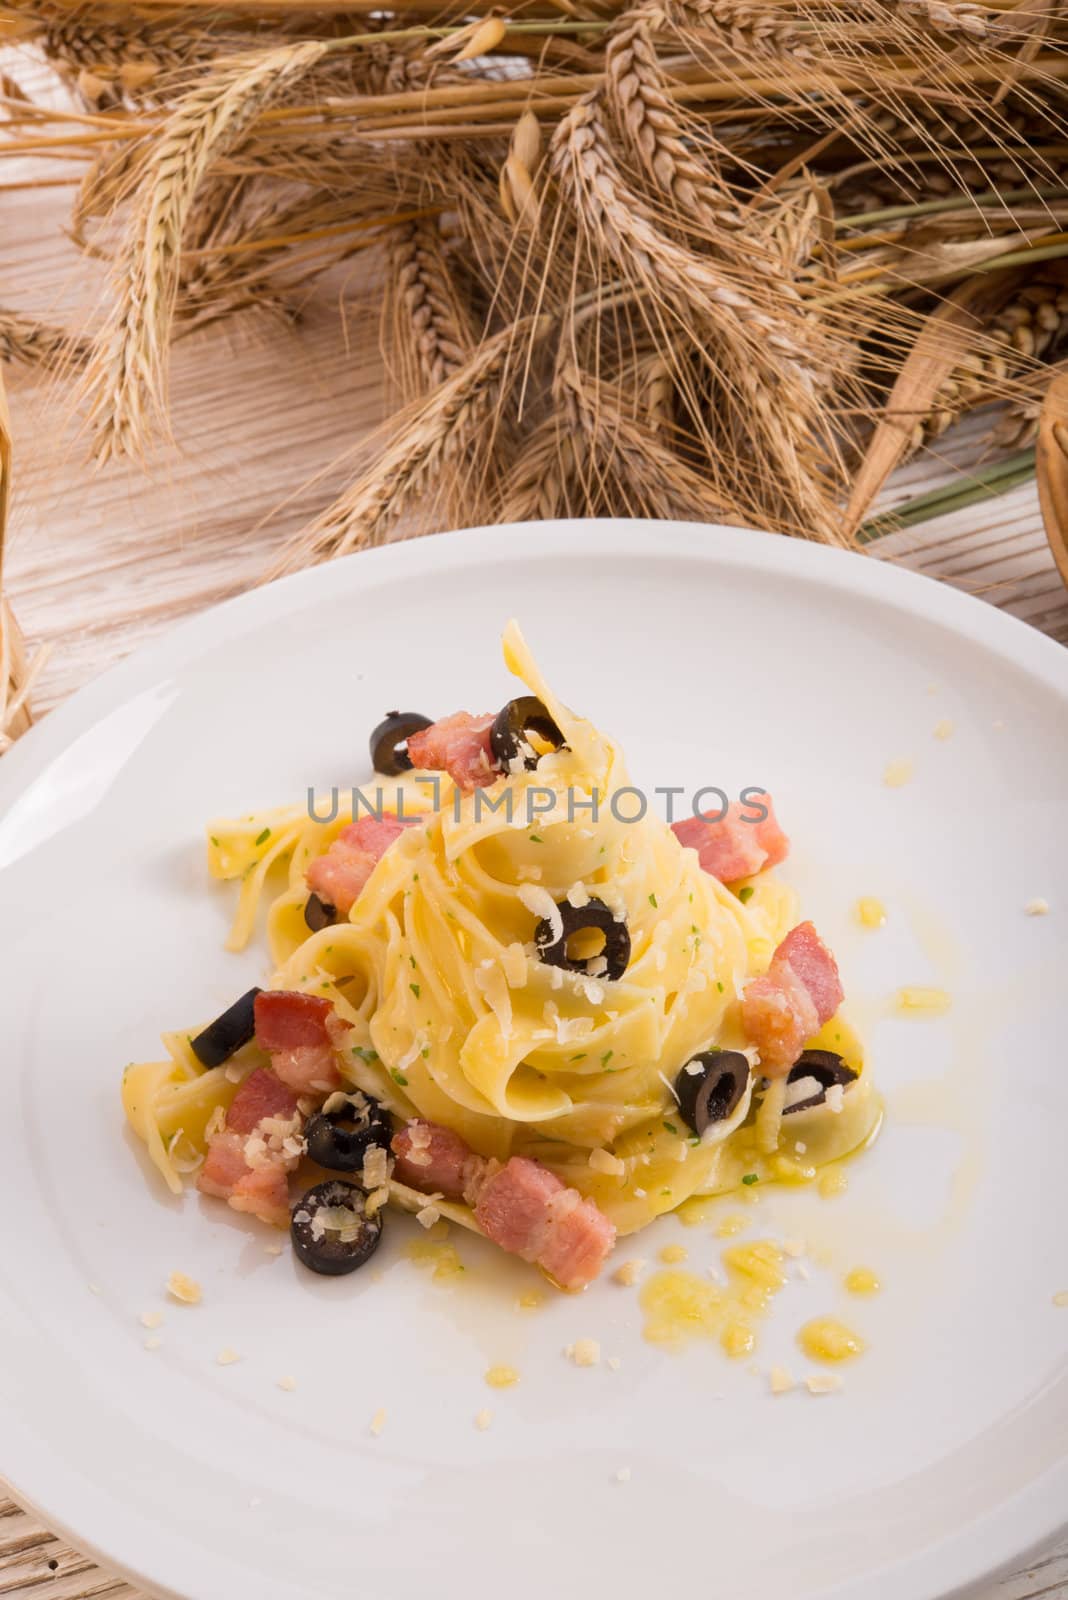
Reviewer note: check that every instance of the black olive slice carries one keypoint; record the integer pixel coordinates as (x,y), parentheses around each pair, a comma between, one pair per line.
(610,962)
(386,753)
(319,913)
(224,1037)
(513,723)
(710,1086)
(340,1138)
(827,1069)
(331,1229)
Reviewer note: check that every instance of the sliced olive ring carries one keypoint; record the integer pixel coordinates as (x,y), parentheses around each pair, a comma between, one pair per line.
(224,1037)
(610,962)
(827,1069)
(387,754)
(339,1139)
(513,724)
(710,1087)
(319,913)
(332,1230)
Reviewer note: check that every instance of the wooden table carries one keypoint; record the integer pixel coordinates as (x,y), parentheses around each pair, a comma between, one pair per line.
(100,563)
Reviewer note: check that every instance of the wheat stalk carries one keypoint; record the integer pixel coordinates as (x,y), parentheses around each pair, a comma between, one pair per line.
(541,484)
(17,672)
(127,378)
(455,419)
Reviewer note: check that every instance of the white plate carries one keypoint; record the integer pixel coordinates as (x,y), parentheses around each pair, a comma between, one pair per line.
(717,656)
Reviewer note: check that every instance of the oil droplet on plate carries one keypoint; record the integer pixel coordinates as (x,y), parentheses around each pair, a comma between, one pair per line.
(915,1001)
(870,912)
(827,1339)
(502,1377)
(862,1280)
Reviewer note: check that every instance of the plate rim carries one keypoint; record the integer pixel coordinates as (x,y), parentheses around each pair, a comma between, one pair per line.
(966,1557)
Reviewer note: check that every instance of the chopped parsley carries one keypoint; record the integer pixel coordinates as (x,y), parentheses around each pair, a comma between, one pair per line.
(398,1077)
(414,987)
(536,838)
(215,842)
(606,1058)
(750,1178)
(652,902)
(719,986)
(746,893)
(412,961)
(261,838)
(425,1051)
(580,1057)
(364,1055)
(671,1128)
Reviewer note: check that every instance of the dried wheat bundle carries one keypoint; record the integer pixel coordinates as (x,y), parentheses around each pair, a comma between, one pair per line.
(726,259)
(17,672)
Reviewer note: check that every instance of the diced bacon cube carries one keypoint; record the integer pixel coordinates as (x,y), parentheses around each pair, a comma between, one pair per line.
(435,1160)
(458,745)
(261,1095)
(578,1242)
(300,1032)
(513,1206)
(800,991)
(339,875)
(735,846)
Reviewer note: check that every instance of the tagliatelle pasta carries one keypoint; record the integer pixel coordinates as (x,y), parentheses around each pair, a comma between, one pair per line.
(448,1014)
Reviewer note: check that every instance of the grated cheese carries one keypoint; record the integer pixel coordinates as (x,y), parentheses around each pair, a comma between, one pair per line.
(491,982)
(288,1383)
(584,1352)
(514,962)
(614,1363)
(834,1097)
(153,1342)
(823,1383)
(897,773)
(483,1420)
(628,1273)
(272,1249)
(578,896)
(623,1475)
(378,1422)
(151,1319)
(428,1217)
(540,903)
(780,1381)
(227,1357)
(1037,908)
(604,1161)
(185,1289)
(1061,1297)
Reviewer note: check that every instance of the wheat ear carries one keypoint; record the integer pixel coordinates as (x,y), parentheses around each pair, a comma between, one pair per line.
(127,377)
(587,171)
(456,417)
(39,344)
(431,332)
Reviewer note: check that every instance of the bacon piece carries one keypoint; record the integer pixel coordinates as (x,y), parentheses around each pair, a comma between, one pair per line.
(800,991)
(435,1160)
(300,1032)
(458,745)
(527,1210)
(261,1095)
(245,1165)
(339,875)
(734,846)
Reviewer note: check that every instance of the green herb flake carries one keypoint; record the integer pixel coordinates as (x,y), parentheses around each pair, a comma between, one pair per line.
(364,1055)
(606,1058)
(215,842)
(695,1140)
(751,1178)
(652,902)
(580,1057)
(411,960)
(719,986)
(665,1191)
(414,987)
(536,838)
(671,1128)
(425,1051)
(398,1077)
(746,893)
(261,838)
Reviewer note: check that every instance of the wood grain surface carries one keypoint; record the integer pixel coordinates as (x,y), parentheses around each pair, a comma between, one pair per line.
(267,419)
